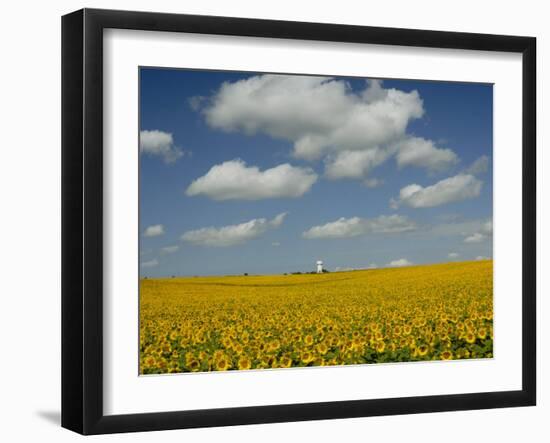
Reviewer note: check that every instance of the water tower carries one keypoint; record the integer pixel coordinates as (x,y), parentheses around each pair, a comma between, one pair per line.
(319,267)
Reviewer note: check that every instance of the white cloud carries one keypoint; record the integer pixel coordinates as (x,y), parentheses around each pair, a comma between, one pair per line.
(452,189)
(169,249)
(479,166)
(159,143)
(484,231)
(462,228)
(320,116)
(373,182)
(234,180)
(346,269)
(481,257)
(453,255)
(154,231)
(474,238)
(354,164)
(233,234)
(419,152)
(275,244)
(399,263)
(278,220)
(343,269)
(487,227)
(196,102)
(150,263)
(355,226)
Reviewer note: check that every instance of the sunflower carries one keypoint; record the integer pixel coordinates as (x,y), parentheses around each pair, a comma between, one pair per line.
(470,337)
(194,365)
(318,362)
(222,364)
(285,362)
(200,338)
(308,340)
(482,333)
(162,364)
(244,363)
(322,348)
(307,357)
(150,361)
(422,350)
(274,345)
(266,361)
(380,346)
(446,355)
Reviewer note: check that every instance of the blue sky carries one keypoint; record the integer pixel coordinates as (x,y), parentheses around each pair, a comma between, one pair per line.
(257,173)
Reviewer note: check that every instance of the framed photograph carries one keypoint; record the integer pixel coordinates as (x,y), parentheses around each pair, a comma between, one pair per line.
(269,221)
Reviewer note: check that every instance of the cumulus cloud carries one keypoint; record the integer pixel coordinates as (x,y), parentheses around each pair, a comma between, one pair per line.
(487,227)
(169,249)
(196,102)
(233,234)
(399,263)
(153,231)
(452,189)
(159,143)
(480,166)
(485,230)
(481,257)
(419,152)
(150,263)
(275,244)
(373,182)
(234,180)
(453,255)
(474,238)
(354,164)
(320,116)
(355,226)
(462,228)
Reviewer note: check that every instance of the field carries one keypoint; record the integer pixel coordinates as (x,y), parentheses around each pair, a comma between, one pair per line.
(432,312)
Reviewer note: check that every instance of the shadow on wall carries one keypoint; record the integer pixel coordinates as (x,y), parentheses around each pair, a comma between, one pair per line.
(54,417)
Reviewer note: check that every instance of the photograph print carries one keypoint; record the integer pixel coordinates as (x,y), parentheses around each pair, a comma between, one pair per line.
(293,221)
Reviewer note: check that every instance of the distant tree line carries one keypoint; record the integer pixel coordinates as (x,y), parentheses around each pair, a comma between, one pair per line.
(325,271)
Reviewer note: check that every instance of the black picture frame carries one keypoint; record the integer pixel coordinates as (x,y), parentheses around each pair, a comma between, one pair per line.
(82,220)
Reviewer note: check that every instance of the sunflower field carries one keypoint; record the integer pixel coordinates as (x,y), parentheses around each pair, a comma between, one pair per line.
(431,312)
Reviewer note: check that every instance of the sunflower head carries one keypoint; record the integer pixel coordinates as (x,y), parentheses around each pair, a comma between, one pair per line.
(285,362)
(307,357)
(322,348)
(482,333)
(194,365)
(244,363)
(222,364)
(470,337)
(422,350)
